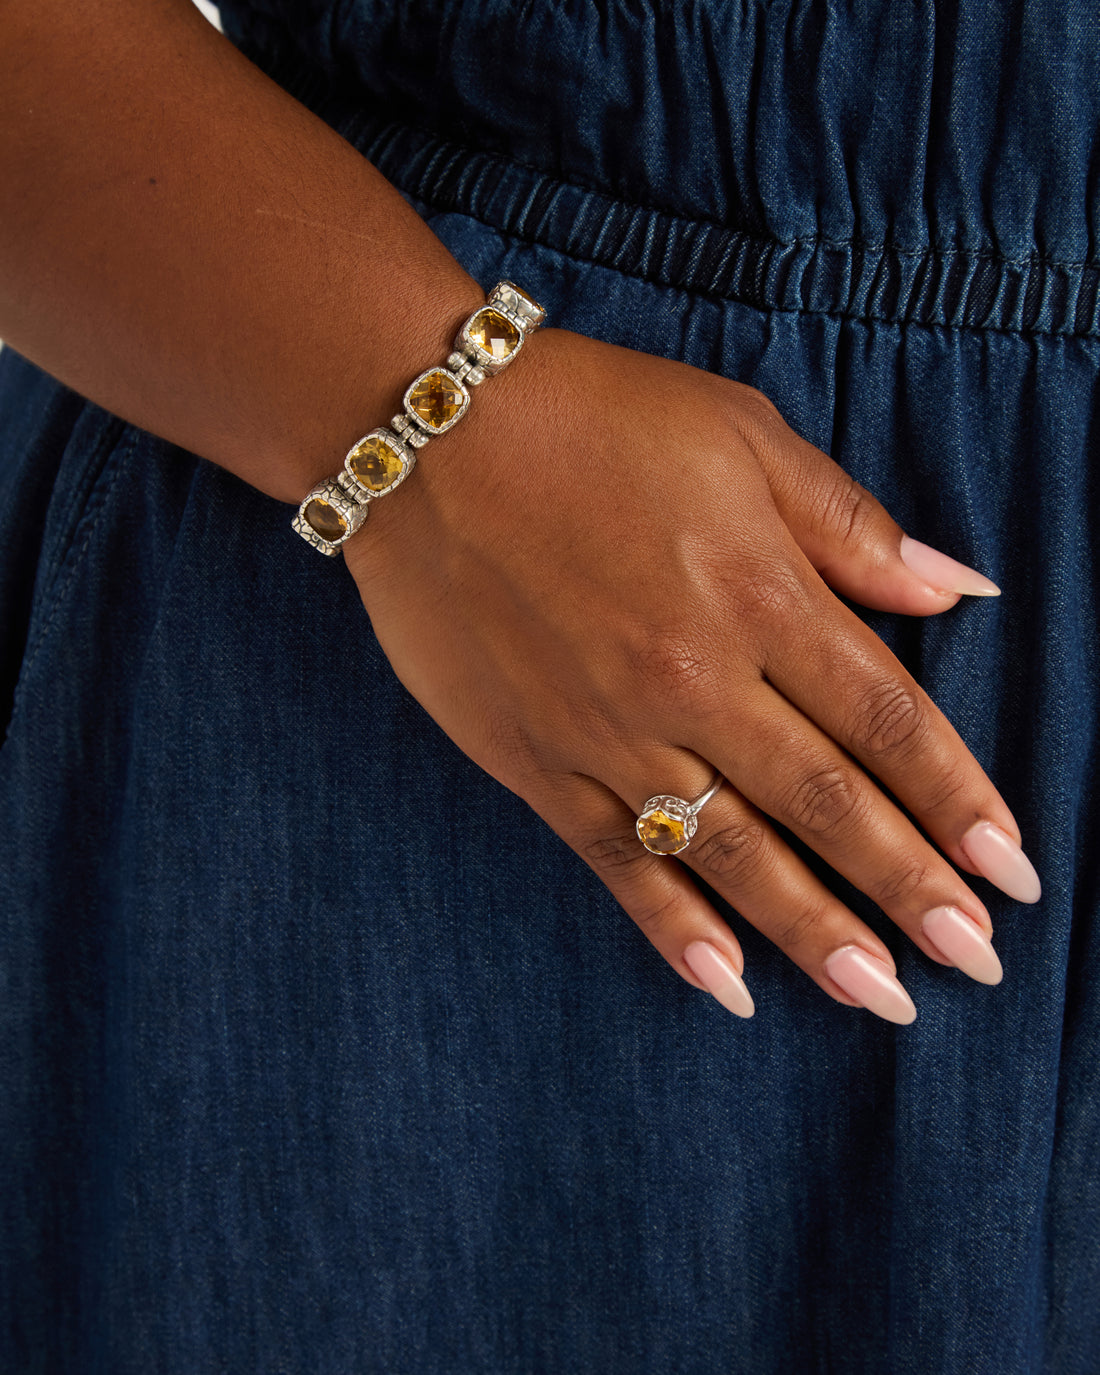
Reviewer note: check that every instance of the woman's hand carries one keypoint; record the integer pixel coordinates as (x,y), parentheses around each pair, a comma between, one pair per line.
(612,580)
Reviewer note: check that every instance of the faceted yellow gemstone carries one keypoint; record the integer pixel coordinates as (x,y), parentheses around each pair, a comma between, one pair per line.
(325,519)
(375,463)
(436,399)
(494,333)
(661,833)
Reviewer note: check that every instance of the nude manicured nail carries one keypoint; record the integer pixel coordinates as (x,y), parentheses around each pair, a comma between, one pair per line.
(997,857)
(964,943)
(943,573)
(718,976)
(869,981)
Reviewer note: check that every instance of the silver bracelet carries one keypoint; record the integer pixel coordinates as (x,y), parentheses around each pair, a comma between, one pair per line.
(336,508)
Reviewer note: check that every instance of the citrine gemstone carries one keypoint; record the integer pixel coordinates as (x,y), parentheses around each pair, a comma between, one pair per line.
(437,399)
(325,519)
(661,833)
(494,334)
(376,464)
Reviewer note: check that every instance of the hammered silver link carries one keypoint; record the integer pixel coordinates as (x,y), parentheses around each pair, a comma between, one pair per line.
(311,536)
(358,494)
(403,427)
(517,302)
(334,494)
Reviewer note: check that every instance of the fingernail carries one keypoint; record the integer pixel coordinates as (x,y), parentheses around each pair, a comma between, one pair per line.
(942,573)
(964,943)
(718,976)
(997,857)
(869,981)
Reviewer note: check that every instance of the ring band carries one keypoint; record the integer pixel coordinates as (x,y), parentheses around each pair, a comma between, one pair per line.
(667,825)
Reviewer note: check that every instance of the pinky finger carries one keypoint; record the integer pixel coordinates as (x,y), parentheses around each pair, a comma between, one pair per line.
(659,897)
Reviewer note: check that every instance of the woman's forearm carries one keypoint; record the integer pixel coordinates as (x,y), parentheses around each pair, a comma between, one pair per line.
(186,245)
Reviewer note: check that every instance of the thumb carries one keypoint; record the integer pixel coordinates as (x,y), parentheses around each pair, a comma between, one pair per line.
(855,544)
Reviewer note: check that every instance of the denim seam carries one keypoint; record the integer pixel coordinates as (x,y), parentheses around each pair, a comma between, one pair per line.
(700,293)
(73,496)
(67,567)
(1031,296)
(361,124)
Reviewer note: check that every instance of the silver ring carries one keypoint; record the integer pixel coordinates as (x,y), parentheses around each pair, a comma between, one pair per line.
(667,825)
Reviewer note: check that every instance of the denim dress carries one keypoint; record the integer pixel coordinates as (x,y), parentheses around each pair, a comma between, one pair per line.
(343,1071)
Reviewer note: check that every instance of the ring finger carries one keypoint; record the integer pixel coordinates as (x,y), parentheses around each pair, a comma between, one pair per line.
(740,855)
(788,768)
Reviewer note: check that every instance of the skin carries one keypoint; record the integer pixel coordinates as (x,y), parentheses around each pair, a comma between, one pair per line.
(752,665)
(184,244)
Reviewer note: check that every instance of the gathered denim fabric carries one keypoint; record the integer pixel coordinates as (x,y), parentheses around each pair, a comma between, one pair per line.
(349,1068)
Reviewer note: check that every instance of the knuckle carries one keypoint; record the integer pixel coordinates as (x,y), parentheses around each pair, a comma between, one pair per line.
(891,718)
(618,856)
(680,675)
(898,887)
(735,854)
(944,792)
(823,803)
(512,746)
(753,415)
(797,928)
(767,597)
(848,510)
(655,919)
(590,726)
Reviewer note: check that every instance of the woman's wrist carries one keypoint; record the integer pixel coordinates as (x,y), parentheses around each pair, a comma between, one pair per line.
(192,249)
(448,498)
(436,400)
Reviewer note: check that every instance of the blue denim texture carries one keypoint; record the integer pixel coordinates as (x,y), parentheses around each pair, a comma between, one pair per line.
(327,1070)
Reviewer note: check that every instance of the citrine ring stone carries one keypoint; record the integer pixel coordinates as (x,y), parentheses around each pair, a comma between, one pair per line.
(667,825)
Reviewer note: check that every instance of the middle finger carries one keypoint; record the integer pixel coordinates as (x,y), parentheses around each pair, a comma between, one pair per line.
(793,772)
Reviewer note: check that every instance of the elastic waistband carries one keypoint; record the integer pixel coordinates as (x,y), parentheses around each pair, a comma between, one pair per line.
(880,282)
(853,280)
